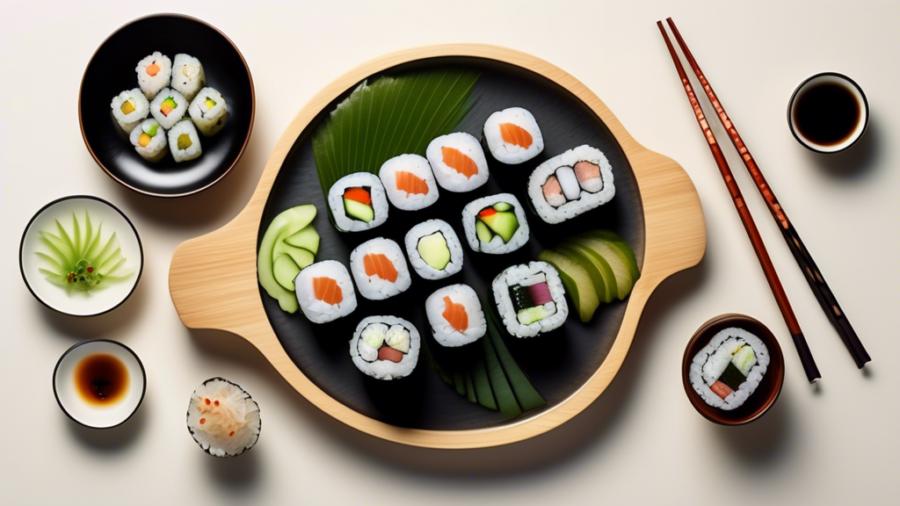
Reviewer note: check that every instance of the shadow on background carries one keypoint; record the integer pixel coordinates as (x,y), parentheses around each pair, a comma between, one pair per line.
(114,440)
(81,328)
(763,445)
(238,474)
(856,162)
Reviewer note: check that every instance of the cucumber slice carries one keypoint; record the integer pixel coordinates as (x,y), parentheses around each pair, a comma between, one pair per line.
(285,224)
(617,260)
(358,210)
(285,270)
(300,256)
(482,231)
(502,206)
(307,239)
(577,281)
(601,274)
(616,241)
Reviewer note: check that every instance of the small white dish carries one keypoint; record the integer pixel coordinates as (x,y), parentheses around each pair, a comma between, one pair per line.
(89,414)
(851,87)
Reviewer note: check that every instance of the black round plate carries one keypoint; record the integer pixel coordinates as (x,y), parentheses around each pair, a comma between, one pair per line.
(112,70)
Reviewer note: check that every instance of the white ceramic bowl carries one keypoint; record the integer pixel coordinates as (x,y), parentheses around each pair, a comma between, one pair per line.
(855,90)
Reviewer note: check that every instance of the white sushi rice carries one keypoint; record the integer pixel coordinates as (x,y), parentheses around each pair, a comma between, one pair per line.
(448,177)
(374,287)
(517,274)
(580,198)
(415,259)
(150,85)
(318,311)
(417,166)
(187,75)
(385,369)
(157,148)
(711,361)
(141,109)
(508,153)
(496,246)
(228,424)
(379,204)
(209,120)
(176,114)
(184,127)
(445,334)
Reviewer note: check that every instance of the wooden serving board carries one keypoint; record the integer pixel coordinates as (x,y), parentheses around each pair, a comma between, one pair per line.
(672,237)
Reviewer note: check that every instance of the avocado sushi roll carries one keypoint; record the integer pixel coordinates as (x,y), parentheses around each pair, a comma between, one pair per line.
(531,299)
(458,162)
(434,249)
(169,107)
(130,108)
(495,224)
(187,75)
(385,347)
(208,111)
(570,184)
(513,136)
(358,202)
(149,140)
(727,371)
(455,315)
(184,141)
(379,268)
(223,419)
(154,73)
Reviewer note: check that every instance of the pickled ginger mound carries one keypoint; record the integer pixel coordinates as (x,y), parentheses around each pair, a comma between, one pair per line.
(223,419)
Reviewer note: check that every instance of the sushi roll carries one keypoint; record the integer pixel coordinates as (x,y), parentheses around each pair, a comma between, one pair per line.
(434,249)
(409,182)
(154,73)
(495,224)
(357,202)
(325,292)
(187,75)
(149,140)
(184,141)
(458,162)
(455,315)
(531,299)
(169,107)
(379,269)
(385,347)
(570,184)
(208,111)
(130,108)
(512,136)
(223,419)
(727,371)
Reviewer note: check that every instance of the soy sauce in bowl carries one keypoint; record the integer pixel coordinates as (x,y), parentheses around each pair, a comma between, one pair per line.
(828,112)
(101,379)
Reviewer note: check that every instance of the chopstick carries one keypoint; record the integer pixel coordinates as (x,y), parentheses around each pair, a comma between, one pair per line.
(804,260)
(806,358)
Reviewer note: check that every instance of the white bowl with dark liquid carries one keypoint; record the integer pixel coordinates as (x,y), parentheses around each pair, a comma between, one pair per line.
(828,112)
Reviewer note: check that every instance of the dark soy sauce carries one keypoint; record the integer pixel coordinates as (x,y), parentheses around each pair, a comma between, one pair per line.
(827,114)
(101,379)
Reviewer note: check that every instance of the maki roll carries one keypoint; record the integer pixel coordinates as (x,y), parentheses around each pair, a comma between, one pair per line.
(458,162)
(130,108)
(357,202)
(513,136)
(570,184)
(455,315)
(385,347)
(154,73)
(495,224)
(409,182)
(379,268)
(727,371)
(184,142)
(434,249)
(223,419)
(530,298)
(149,140)
(169,107)
(325,292)
(187,75)
(209,111)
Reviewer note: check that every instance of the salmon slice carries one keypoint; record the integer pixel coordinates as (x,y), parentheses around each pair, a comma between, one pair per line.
(388,353)
(586,170)
(378,264)
(456,315)
(553,193)
(721,389)
(459,161)
(410,183)
(516,135)
(327,290)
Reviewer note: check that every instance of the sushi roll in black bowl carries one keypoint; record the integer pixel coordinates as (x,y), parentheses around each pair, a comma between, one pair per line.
(733,369)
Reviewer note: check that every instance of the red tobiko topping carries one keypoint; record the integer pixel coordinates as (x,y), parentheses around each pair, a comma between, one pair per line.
(487,212)
(230,433)
(216,403)
(207,401)
(90,270)
(202,421)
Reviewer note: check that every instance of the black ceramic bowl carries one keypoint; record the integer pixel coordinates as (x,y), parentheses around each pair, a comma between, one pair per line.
(112,70)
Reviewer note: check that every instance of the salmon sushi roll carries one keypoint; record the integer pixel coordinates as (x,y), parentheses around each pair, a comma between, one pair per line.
(385,347)
(455,315)
(728,370)
(512,136)
(325,292)
(570,184)
(409,182)
(154,73)
(379,269)
(458,162)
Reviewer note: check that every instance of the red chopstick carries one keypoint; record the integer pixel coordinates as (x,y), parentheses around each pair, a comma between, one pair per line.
(806,358)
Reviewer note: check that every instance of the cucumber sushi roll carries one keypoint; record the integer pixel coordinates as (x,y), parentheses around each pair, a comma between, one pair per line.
(223,419)
(149,140)
(130,108)
(385,347)
(325,292)
(569,184)
(727,371)
(154,73)
(379,268)
(495,224)
(458,162)
(434,249)
(357,202)
(513,136)
(455,315)
(531,299)
(184,141)
(409,182)
(187,75)
(169,107)
(208,111)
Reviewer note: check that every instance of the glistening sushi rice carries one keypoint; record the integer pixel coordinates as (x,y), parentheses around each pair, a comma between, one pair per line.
(208,111)
(530,298)
(184,141)
(130,108)
(434,249)
(223,419)
(385,347)
(569,184)
(379,268)
(169,107)
(357,202)
(495,224)
(149,140)
(455,315)
(409,182)
(458,162)
(154,73)
(187,75)
(727,371)
(325,292)
(513,136)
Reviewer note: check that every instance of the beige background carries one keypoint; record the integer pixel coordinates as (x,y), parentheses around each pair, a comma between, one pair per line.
(641,441)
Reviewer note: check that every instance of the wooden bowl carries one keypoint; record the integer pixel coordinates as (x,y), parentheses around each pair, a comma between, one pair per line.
(769,388)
